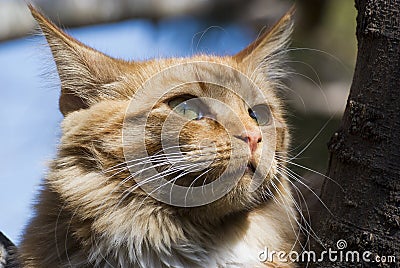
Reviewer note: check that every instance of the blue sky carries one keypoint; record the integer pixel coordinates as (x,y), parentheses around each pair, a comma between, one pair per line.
(29,115)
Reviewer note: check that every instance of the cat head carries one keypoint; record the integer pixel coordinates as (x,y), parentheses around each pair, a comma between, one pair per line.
(201,132)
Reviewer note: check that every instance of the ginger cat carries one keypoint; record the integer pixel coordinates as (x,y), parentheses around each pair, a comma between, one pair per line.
(219,116)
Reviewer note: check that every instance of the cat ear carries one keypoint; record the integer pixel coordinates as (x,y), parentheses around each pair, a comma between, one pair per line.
(83,71)
(266,52)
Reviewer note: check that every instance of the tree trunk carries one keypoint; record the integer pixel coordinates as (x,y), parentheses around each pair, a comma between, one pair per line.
(365,151)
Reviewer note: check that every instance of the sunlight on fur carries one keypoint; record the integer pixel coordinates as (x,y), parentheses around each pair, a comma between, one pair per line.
(176,162)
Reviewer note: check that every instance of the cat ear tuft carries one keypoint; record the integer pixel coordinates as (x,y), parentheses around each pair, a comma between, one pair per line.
(269,48)
(82,70)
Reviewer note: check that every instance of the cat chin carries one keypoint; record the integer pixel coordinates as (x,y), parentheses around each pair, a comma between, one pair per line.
(239,200)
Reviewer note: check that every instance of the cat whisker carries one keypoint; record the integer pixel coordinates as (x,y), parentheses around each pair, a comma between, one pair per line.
(287,88)
(291,49)
(307,223)
(158,153)
(307,49)
(313,138)
(286,172)
(131,189)
(188,170)
(308,169)
(299,207)
(55,232)
(141,170)
(319,87)
(194,181)
(266,196)
(131,176)
(159,175)
(204,183)
(155,158)
(273,66)
(287,155)
(294,175)
(203,33)
(284,203)
(150,157)
(183,174)
(163,158)
(291,215)
(310,67)
(67,235)
(306,229)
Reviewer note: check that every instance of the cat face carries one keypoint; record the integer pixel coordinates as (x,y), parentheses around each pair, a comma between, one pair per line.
(204,129)
(187,132)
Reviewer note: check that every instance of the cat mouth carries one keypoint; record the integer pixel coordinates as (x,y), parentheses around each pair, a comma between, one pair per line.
(250,168)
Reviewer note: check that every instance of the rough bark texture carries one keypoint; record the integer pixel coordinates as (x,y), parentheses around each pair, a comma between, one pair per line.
(365,151)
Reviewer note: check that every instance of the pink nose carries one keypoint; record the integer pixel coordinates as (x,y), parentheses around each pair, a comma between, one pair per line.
(252,137)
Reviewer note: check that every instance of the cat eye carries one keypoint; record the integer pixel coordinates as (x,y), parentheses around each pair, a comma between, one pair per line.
(261,114)
(188,107)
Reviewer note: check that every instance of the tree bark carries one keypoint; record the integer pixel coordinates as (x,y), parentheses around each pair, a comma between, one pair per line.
(363,193)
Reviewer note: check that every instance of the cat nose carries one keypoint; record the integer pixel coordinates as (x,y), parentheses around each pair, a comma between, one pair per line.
(252,137)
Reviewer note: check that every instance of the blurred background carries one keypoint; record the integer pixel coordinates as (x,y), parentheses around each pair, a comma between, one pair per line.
(322,57)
